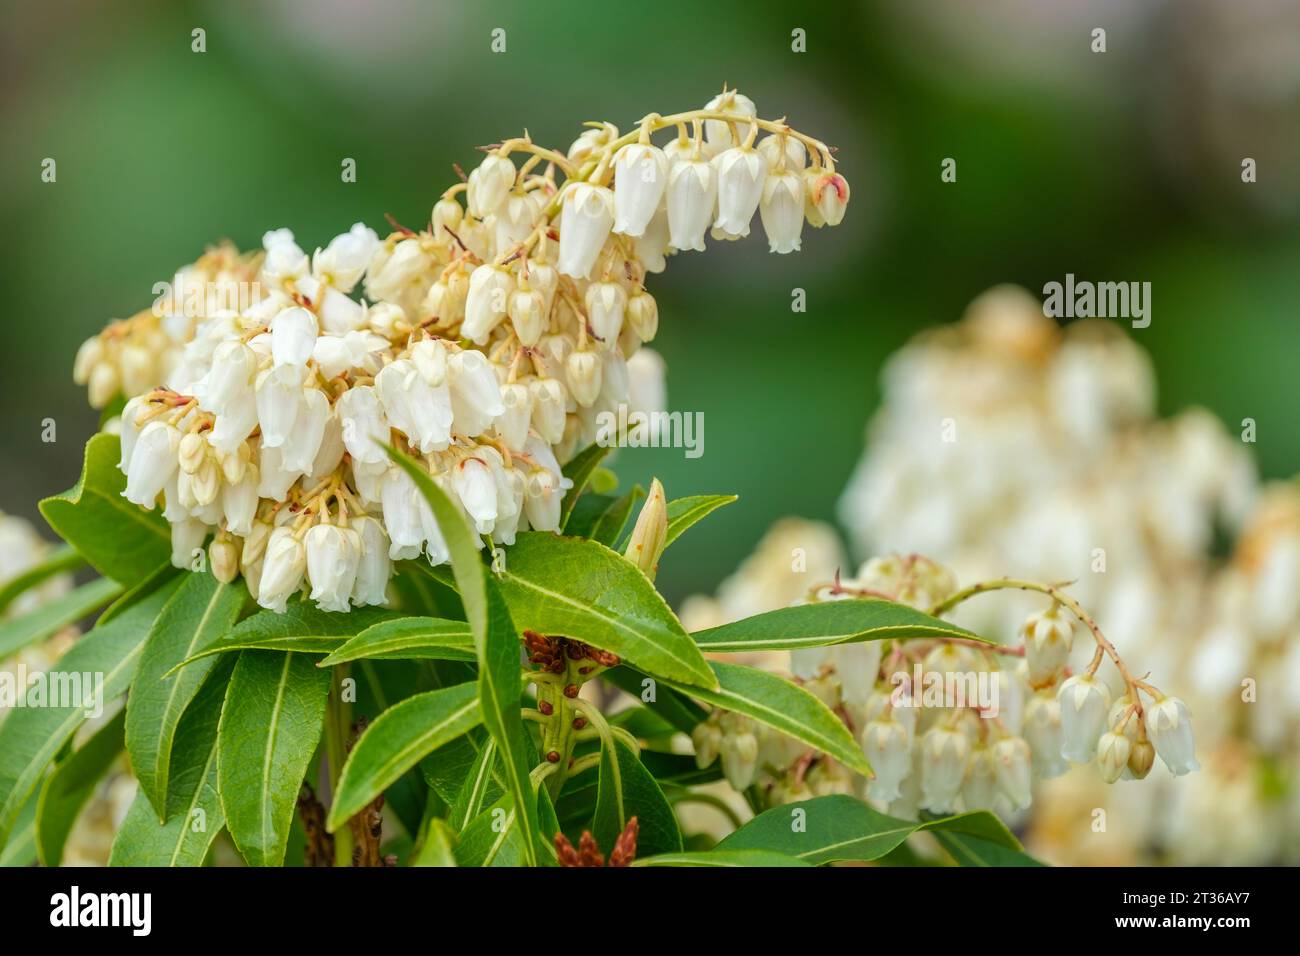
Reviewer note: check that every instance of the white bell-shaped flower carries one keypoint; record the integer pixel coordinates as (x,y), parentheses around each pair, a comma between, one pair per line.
(512,423)
(187,539)
(781,211)
(333,556)
(1085,702)
(741,173)
(1113,751)
(791,153)
(280,400)
(888,747)
(488,301)
(234,366)
(304,441)
(1011,769)
(473,483)
(1169,725)
(586,217)
(640,175)
(549,401)
(582,370)
(153,463)
(489,185)
(374,567)
(365,425)
(293,336)
(1042,729)
(420,410)
(692,198)
(344,261)
(1048,637)
(717,133)
(542,499)
(475,392)
(283,568)
(606,305)
(944,753)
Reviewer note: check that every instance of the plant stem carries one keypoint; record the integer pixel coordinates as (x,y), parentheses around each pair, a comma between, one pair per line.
(338,720)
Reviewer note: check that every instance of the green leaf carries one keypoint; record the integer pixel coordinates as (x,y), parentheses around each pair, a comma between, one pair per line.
(583,590)
(684,512)
(302,627)
(119,539)
(496,645)
(437,847)
(577,802)
(59,561)
(194,814)
(482,787)
(980,841)
(396,741)
(270,724)
(722,858)
(493,838)
(447,768)
(786,707)
(832,622)
(48,619)
(409,638)
(839,827)
(70,786)
(579,469)
(626,789)
(138,592)
(21,848)
(200,611)
(602,518)
(31,737)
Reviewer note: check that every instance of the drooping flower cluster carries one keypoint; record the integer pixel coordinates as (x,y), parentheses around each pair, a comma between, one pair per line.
(261,394)
(952,724)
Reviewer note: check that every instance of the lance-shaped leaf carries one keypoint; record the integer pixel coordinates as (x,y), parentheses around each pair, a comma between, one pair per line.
(601,517)
(137,592)
(48,619)
(625,790)
(786,707)
(20,850)
(831,622)
(30,737)
(194,814)
(302,627)
(583,590)
(481,787)
(270,724)
(834,828)
(396,741)
(59,561)
(684,512)
(408,638)
(722,858)
(437,846)
(579,471)
(496,644)
(200,611)
(493,838)
(120,540)
(70,786)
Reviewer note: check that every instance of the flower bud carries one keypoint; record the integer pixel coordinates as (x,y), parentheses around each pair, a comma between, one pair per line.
(740,759)
(528,315)
(89,355)
(187,537)
(606,303)
(153,463)
(707,737)
(828,196)
(548,409)
(1085,702)
(1113,751)
(1048,637)
(1169,727)
(430,358)
(1141,758)
(542,500)
(785,151)
(223,557)
(447,215)
(512,423)
(583,372)
(643,315)
(104,385)
(585,221)
(1042,729)
(649,535)
(191,452)
(640,174)
(717,133)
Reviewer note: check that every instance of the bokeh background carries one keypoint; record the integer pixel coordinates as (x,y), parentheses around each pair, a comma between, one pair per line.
(1118,166)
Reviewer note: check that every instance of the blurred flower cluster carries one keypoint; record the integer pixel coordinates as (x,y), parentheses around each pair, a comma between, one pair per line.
(490,345)
(22,549)
(1008,446)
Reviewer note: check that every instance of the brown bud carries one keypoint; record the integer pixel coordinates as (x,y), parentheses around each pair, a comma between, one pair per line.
(579,723)
(571,691)
(553,756)
(1141,758)
(545,707)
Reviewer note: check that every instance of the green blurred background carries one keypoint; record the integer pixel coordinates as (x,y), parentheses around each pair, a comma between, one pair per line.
(1123,165)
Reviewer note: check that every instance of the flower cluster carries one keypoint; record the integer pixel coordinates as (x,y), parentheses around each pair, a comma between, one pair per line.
(952,724)
(261,394)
